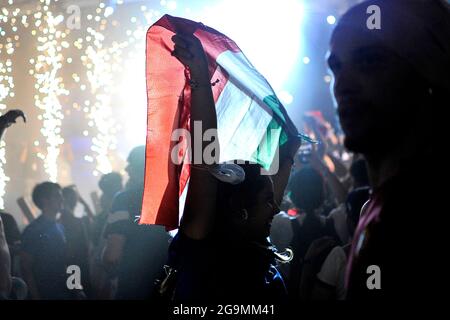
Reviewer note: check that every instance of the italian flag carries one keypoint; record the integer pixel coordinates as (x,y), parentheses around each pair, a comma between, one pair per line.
(252,122)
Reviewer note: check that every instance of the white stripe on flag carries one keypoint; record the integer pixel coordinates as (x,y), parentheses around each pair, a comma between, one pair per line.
(242,116)
(242,73)
(241,124)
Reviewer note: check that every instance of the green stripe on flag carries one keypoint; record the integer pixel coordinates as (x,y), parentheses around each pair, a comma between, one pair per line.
(275,136)
(273,103)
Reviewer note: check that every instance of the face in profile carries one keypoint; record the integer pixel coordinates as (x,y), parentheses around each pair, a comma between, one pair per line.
(260,214)
(376,91)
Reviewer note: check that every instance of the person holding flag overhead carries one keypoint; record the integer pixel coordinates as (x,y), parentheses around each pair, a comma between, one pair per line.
(221,252)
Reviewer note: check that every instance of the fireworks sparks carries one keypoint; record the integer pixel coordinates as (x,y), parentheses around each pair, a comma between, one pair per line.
(49,85)
(6,80)
(6,87)
(99,65)
(108,75)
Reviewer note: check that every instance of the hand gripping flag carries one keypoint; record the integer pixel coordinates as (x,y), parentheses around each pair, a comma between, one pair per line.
(251,121)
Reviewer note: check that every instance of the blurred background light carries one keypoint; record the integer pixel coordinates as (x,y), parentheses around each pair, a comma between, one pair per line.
(331,19)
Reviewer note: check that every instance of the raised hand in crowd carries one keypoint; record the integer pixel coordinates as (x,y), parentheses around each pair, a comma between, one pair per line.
(9,118)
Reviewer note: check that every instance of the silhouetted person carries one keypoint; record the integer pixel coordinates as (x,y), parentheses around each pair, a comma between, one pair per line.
(8,228)
(360,177)
(221,252)
(43,256)
(110,184)
(389,82)
(329,280)
(135,253)
(307,194)
(76,234)
(12,234)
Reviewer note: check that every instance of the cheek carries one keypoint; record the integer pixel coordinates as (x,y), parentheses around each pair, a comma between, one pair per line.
(386,98)
(394,88)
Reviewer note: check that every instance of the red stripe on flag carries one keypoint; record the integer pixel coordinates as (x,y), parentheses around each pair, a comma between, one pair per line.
(165,80)
(165,181)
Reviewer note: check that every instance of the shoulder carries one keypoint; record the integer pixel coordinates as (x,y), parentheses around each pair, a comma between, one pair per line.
(120,200)
(32,228)
(31,236)
(182,244)
(7,218)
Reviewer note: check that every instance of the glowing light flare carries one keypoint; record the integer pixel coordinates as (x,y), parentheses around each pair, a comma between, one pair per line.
(133,89)
(285,97)
(263,29)
(108,11)
(331,19)
(171,5)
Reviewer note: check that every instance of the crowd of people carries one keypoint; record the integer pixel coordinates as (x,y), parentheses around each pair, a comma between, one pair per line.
(324,227)
(106,247)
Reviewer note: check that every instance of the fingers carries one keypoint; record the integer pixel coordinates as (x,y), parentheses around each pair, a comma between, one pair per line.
(21,115)
(181,49)
(12,115)
(182,53)
(185,40)
(180,41)
(189,51)
(183,46)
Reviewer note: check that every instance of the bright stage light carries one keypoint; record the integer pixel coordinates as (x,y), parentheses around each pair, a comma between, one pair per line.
(285,97)
(331,19)
(171,5)
(108,11)
(134,98)
(269,33)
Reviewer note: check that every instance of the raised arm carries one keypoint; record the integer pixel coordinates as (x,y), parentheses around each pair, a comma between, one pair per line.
(5,260)
(286,156)
(9,118)
(198,216)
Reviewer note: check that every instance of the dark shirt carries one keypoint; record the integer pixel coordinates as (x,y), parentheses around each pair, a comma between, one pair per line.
(306,229)
(77,246)
(213,270)
(98,227)
(44,240)
(393,234)
(145,249)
